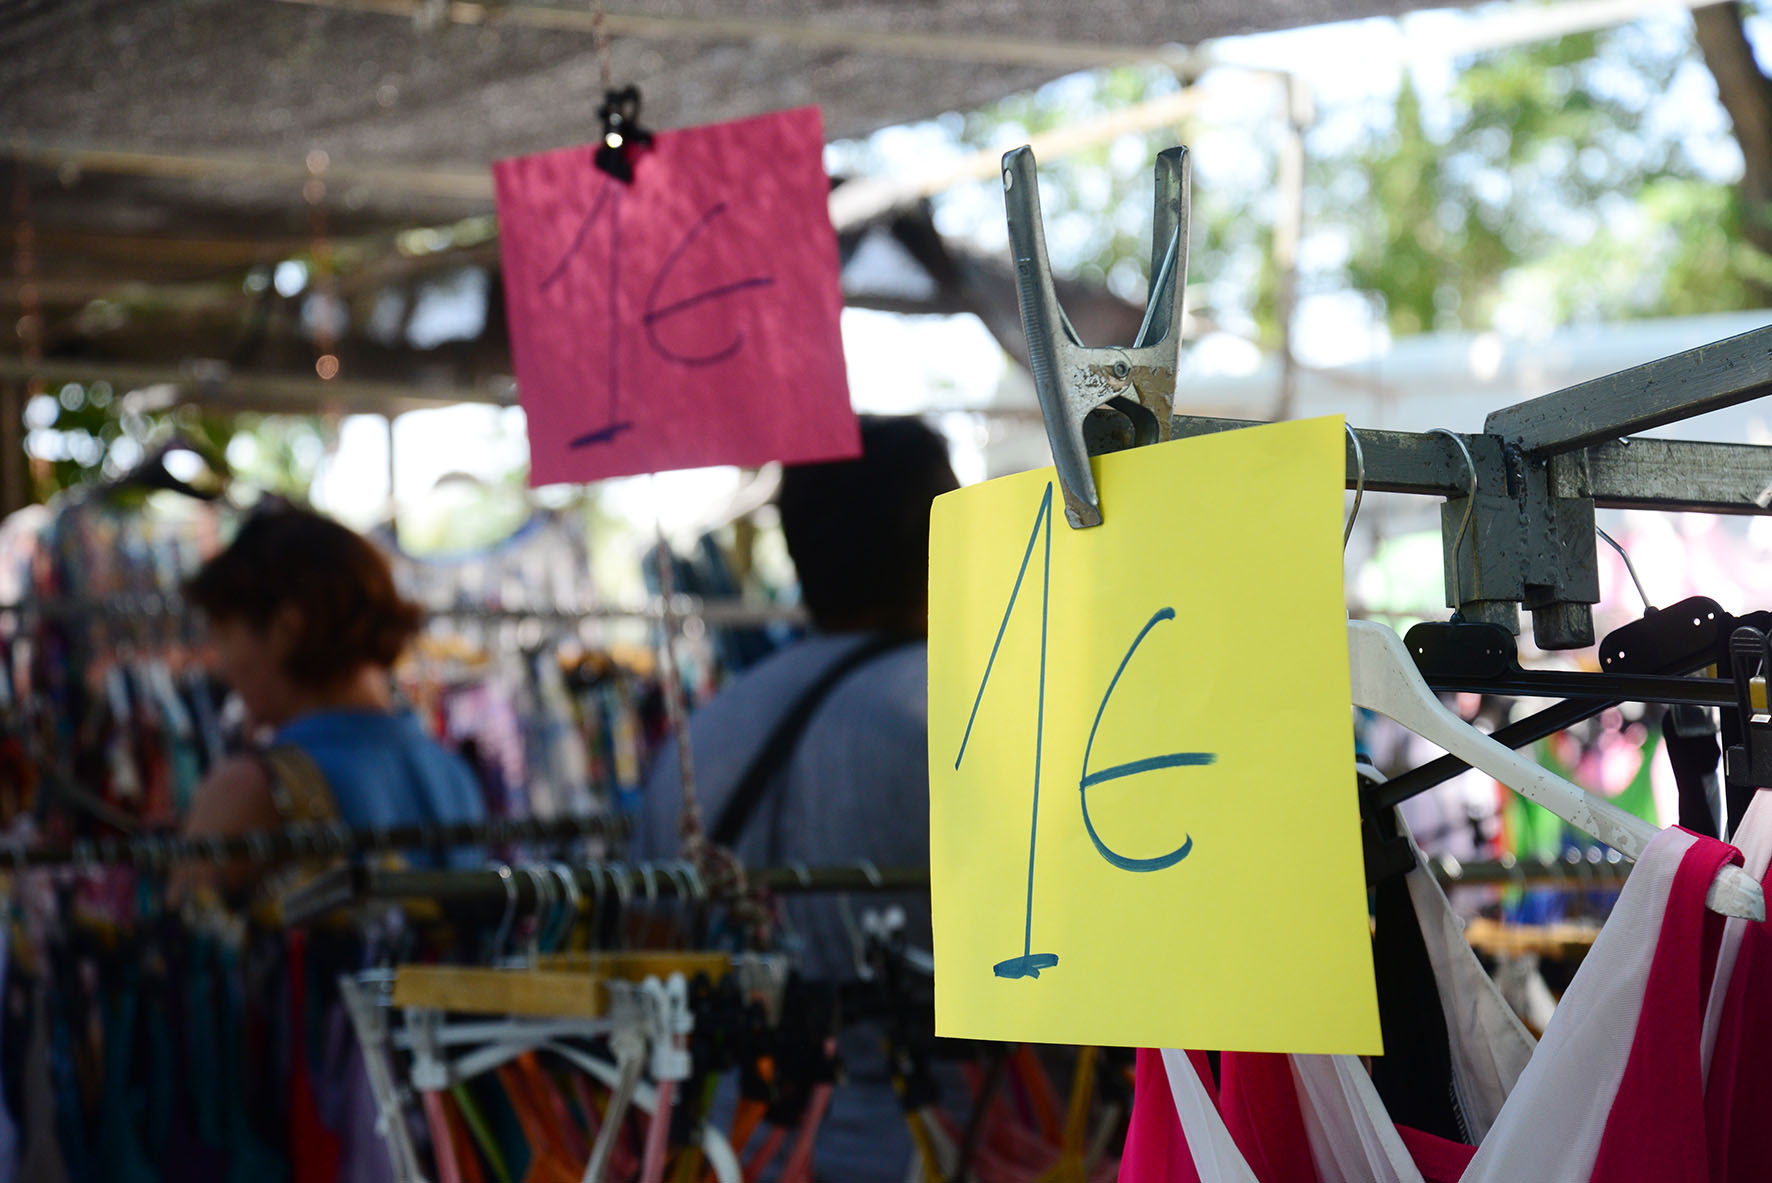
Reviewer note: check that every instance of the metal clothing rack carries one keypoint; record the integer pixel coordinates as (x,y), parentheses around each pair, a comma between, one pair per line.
(1572,872)
(301,841)
(1534,477)
(366,882)
(1541,468)
(495,888)
(715,613)
(492,888)
(1517,525)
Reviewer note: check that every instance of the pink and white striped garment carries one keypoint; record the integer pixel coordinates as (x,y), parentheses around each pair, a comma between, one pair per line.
(1614,1093)
(1738,1029)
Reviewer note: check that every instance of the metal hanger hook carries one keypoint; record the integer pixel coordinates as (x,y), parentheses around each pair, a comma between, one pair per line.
(680,888)
(1470,507)
(698,890)
(542,883)
(573,907)
(624,894)
(1516,871)
(1628,566)
(595,871)
(1590,870)
(858,941)
(503,933)
(1347,531)
(649,877)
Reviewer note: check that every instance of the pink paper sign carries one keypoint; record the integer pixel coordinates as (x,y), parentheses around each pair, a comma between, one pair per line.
(687,319)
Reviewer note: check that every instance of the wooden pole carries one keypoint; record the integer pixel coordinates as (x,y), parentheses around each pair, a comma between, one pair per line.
(15,482)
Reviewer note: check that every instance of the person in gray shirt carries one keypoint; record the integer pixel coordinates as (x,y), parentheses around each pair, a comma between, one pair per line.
(819,753)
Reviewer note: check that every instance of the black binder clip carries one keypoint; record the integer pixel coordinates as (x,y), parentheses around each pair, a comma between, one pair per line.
(1749,763)
(623,137)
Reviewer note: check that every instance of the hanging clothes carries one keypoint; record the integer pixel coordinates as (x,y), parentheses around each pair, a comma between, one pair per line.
(1587,1105)
(381,769)
(97,682)
(1736,1034)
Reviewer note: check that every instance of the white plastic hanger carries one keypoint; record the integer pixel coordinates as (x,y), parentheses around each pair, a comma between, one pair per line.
(646,1024)
(1386,680)
(369,1020)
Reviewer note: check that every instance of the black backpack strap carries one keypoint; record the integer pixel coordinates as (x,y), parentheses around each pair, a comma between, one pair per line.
(778,749)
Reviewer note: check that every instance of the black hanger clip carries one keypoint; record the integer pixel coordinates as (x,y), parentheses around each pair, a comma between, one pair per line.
(1387,852)
(624,139)
(1461,649)
(1749,763)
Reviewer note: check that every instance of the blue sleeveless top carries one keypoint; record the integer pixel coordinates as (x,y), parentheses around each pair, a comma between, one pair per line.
(385,771)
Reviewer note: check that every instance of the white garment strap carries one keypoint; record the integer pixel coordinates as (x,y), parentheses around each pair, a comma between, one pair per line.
(1215,1153)
(1754,838)
(1352,1137)
(1552,1124)
(1490,1046)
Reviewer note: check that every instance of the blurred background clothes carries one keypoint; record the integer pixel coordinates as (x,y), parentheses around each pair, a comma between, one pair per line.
(855,787)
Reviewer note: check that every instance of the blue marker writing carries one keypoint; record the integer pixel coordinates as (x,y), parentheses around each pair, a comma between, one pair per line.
(1029,964)
(1134,768)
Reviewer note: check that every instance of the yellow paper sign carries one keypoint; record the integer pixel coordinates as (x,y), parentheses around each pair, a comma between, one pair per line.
(1144,827)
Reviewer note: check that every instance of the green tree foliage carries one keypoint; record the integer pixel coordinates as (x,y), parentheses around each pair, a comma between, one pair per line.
(1548,184)
(79,435)
(1556,187)
(1097,201)
(1415,246)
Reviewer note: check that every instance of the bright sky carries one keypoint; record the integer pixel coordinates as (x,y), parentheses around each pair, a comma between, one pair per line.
(898,364)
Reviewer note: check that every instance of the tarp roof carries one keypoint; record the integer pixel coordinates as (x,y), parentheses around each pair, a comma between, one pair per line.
(192,119)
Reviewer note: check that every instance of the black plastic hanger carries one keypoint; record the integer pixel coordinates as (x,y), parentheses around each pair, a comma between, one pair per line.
(1480,657)
(1680,639)
(1748,762)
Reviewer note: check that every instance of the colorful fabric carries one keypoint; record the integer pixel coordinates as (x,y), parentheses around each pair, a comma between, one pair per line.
(1588,1105)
